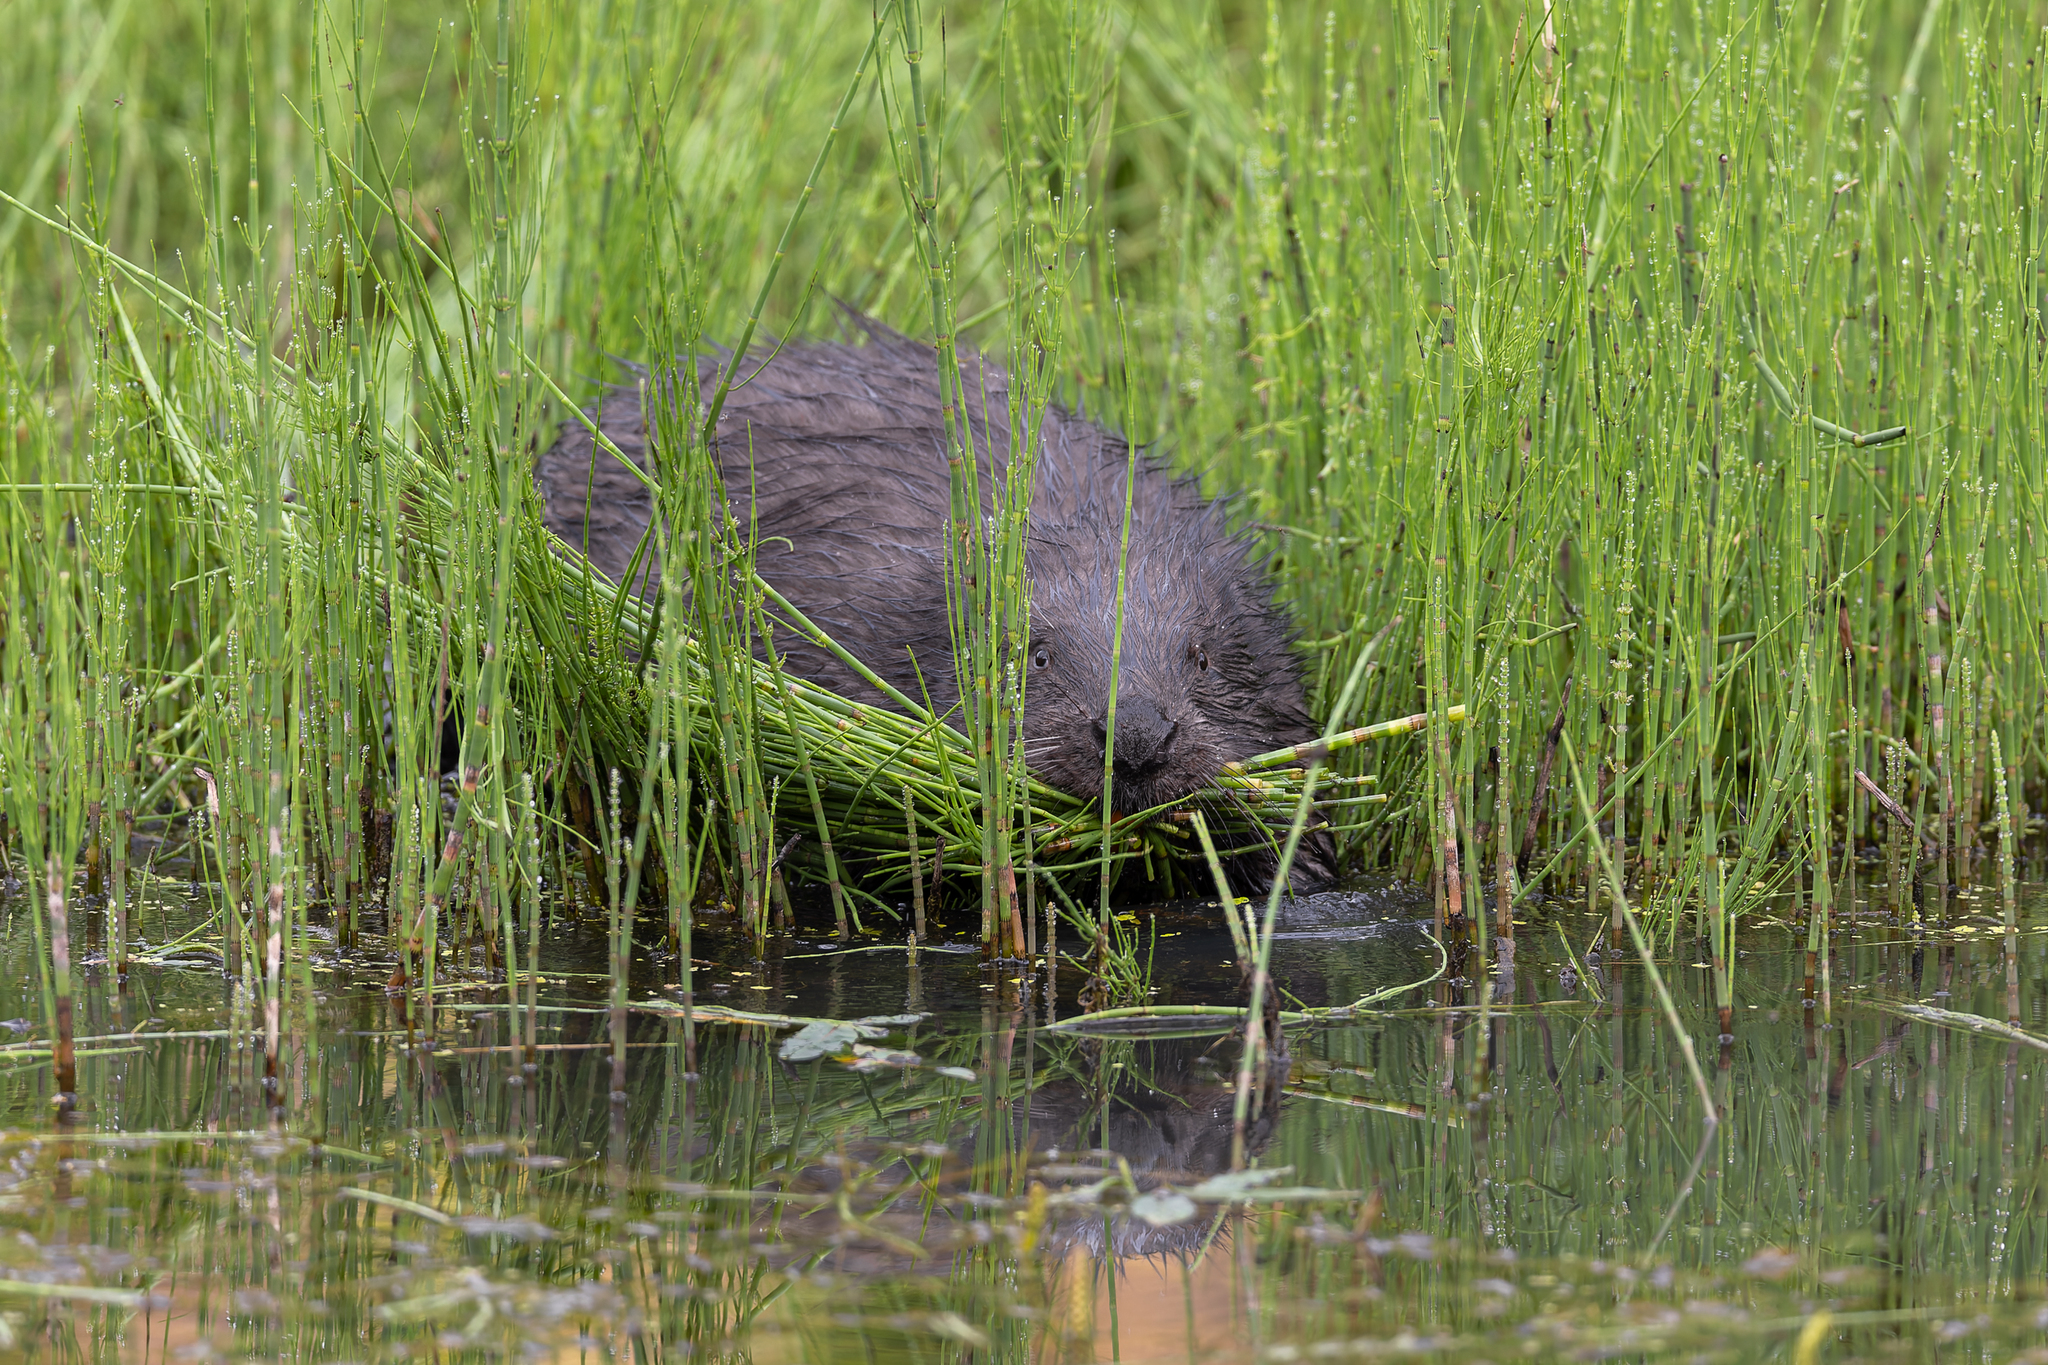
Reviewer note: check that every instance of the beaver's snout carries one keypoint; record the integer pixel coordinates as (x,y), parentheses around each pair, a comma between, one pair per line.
(1144,735)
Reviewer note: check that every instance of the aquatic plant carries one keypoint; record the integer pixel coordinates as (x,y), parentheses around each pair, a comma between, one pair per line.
(1686,436)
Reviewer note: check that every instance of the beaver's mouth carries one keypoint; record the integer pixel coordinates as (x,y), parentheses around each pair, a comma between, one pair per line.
(1162,784)
(1160,759)
(1132,789)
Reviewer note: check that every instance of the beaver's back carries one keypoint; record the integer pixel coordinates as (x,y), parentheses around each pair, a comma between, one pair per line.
(844,448)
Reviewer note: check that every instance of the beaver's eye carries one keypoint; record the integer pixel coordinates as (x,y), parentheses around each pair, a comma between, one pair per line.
(1041,657)
(1200,656)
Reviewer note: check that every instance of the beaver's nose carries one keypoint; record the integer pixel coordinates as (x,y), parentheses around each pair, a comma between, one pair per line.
(1143,733)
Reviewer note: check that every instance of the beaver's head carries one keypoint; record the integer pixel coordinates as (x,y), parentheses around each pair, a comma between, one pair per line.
(1205,674)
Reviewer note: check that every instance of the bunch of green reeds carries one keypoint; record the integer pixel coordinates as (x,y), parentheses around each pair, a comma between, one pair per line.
(1708,463)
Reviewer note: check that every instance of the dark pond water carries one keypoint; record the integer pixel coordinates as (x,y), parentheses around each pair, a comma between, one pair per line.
(1535,1182)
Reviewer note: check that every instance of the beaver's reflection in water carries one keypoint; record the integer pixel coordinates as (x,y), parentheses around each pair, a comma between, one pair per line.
(1127,1116)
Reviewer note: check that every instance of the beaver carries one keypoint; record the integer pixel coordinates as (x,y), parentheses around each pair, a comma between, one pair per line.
(844,447)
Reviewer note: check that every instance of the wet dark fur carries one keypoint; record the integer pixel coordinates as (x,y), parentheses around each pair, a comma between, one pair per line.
(845,447)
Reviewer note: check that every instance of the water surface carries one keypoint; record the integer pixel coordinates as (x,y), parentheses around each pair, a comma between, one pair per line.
(1433,1179)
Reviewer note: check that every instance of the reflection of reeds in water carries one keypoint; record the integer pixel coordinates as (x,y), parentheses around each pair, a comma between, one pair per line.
(785,1211)
(812,1212)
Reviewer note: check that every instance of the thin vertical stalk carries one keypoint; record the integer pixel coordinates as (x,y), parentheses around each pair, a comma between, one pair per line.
(504,443)
(1444,306)
(967,561)
(2006,888)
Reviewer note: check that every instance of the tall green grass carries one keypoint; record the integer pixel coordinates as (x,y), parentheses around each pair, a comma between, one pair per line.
(1672,369)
